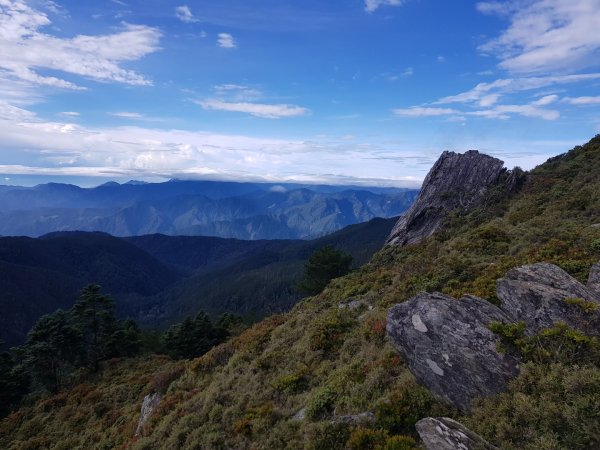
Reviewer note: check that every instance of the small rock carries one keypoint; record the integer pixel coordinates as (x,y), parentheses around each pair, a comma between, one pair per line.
(150,403)
(300,415)
(448,347)
(536,294)
(444,433)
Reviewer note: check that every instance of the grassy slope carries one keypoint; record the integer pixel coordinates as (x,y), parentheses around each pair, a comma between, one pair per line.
(243,393)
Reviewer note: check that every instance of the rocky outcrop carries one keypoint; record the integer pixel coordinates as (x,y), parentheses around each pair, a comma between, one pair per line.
(543,294)
(447,343)
(455,182)
(448,346)
(444,433)
(149,405)
(594,279)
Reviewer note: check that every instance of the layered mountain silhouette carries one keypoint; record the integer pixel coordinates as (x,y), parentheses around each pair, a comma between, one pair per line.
(196,208)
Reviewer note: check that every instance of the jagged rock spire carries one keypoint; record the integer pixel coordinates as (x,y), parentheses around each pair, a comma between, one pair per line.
(456,181)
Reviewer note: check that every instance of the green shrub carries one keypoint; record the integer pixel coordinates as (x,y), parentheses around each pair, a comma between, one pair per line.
(366,439)
(321,403)
(546,407)
(327,436)
(559,344)
(292,383)
(400,443)
(404,407)
(327,332)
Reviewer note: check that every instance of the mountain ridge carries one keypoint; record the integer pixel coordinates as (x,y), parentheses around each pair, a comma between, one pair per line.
(223,209)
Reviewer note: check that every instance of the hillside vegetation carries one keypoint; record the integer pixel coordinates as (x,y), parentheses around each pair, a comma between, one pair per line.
(291,381)
(159,279)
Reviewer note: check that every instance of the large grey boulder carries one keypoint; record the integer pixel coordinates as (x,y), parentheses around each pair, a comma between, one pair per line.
(538,295)
(456,181)
(448,347)
(444,433)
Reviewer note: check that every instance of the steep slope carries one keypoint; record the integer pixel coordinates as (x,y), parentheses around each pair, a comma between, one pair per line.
(300,380)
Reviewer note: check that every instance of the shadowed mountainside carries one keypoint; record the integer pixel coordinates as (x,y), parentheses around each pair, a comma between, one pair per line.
(158,279)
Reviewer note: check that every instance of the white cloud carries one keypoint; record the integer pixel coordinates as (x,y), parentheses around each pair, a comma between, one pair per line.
(546,35)
(441,59)
(13,113)
(237,92)
(504,86)
(256,109)
(501,8)
(68,149)
(226,40)
(372,5)
(421,111)
(25,49)
(582,100)
(504,111)
(497,112)
(70,114)
(546,100)
(184,13)
(127,115)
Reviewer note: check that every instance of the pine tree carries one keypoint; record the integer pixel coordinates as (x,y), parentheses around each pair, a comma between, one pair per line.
(322,266)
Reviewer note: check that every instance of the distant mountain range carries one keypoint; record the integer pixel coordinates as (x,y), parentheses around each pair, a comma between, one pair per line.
(196,208)
(159,279)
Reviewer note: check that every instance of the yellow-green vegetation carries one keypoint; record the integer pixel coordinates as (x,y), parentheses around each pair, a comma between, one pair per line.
(325,359)
(101,413)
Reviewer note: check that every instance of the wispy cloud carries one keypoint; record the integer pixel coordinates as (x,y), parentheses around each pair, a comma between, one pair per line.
(491,92)
(184,13)
(503,112)
(226,40)
(237,92)
(70,114)
(582,100)
(266,111)
(372,5)
(127,115)
(423,111)
(546,35)
(25,49)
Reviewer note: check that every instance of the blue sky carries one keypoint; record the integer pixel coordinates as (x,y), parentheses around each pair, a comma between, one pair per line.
(339,91)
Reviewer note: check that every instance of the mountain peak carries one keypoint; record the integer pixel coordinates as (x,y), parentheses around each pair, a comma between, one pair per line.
(456,181)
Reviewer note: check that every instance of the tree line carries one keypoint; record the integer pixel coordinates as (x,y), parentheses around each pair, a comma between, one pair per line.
(65,347)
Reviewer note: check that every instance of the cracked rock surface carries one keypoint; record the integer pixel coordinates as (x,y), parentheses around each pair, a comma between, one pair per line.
(449,348)
(456,181)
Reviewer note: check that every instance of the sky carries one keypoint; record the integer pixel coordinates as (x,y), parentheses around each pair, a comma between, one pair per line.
(340,91)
